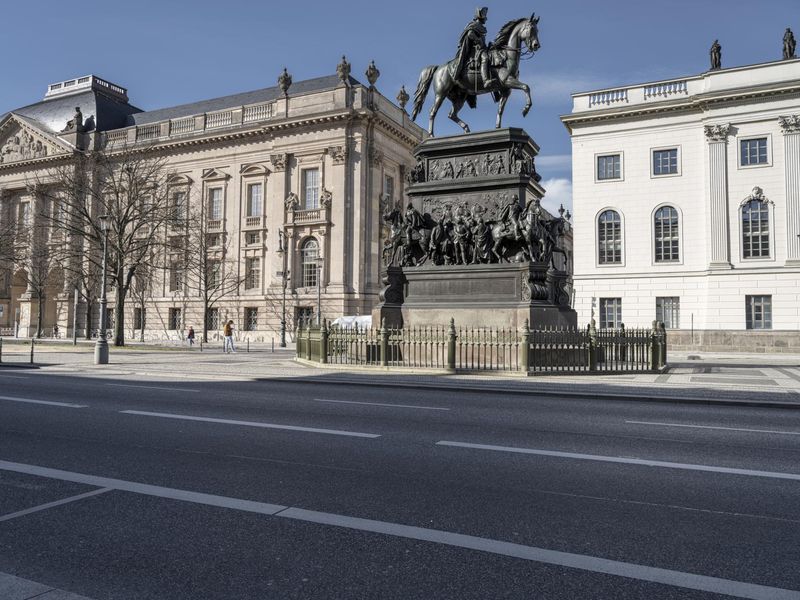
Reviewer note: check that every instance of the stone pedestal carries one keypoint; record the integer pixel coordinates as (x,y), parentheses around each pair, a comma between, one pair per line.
(482,295)
(28,315)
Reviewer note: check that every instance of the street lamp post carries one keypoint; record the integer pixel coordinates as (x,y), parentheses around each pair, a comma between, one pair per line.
(101,348)
(319,290)
(284,279)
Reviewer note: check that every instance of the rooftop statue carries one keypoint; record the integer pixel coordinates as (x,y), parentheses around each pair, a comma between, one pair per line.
(479,68)
(789,44)
(715,54)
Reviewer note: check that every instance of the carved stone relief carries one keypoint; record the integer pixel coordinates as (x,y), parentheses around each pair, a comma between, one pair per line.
(22,145)
(717,133)
(790,124)
(279,161)
(338,154)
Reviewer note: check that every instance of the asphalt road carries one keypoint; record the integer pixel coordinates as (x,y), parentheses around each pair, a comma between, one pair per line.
(139,489)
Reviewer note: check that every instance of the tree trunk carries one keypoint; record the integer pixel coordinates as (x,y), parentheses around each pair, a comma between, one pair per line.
(205,322)
(119,316)
(144,317)
(39,314)
(89,307)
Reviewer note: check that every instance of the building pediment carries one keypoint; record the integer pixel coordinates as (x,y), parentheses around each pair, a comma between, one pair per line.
(21,140)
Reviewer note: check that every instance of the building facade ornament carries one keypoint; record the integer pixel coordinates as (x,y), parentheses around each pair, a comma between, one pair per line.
(758,195)
(717,133)
(325,198)
(338,154)
(790,124)
(292,202)
(279,161)
(343,71)
(22,146)
(403,98)
(285,81)
(372,74)
(375,156)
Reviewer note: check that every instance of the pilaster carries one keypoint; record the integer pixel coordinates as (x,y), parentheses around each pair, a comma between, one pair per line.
(717,138)
(790,126)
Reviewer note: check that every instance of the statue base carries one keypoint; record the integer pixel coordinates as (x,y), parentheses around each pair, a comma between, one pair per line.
(480,295)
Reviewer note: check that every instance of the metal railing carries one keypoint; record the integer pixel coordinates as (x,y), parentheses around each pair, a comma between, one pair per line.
(544,351)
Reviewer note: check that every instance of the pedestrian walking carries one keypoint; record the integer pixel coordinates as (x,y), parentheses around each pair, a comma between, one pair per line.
(55,331)
(228,339)
(190,336)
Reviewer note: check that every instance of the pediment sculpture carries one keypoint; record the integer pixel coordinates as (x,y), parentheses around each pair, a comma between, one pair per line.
(23,145)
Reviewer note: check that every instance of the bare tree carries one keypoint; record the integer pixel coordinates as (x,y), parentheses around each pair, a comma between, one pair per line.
(209,269)
(128,186)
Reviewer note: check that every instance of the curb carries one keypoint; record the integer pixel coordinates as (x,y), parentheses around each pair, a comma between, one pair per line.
(573,395)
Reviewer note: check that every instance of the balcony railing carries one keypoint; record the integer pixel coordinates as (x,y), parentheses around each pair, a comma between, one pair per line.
(660,91)
(608,98)
(182,126)
(214,224)
(307,216)
(251,222)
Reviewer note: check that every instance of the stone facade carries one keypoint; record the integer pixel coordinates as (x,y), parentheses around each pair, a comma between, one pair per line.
(322,157)
(719,152)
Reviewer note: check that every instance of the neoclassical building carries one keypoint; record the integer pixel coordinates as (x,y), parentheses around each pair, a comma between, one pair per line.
(313,167)
(686,200)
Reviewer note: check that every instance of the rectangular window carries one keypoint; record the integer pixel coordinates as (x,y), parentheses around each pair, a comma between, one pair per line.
(303,314)
(250,319)
(254,200)
(213,279)
(213,240)
(179,207)
(175,277)
(175,320)
(25,214)
(668,311)
(252,238)
(753,152)
(310,189)
(215,204)
(758,312)
(212,319)
(665,162)
(138,318)
(252,273)
(388,187)
(609,167)
(610,313)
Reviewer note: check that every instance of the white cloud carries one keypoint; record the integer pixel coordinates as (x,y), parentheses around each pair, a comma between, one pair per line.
(558,162)
(558,192)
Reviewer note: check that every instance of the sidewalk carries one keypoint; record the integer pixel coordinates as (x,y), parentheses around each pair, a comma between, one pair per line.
(16,588)
(749,379)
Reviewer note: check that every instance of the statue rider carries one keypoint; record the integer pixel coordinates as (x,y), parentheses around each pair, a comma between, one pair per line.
(509,216)
(472,44)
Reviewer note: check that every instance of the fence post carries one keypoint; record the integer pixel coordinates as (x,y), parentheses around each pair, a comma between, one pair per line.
(33,340)
(524,351)
(663,345)
(623,345)
(451,346)
(323,342)
(592,345)
(308,341)
(384,344)
(1,350)
(655,347)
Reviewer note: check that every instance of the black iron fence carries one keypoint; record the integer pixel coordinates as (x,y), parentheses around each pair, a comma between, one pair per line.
(544,351)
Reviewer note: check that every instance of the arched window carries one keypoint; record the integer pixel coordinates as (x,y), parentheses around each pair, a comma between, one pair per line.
(308,258)
(755,229)
(666,234)
(609,238)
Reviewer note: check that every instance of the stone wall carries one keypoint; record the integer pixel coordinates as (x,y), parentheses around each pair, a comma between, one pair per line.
(734,341)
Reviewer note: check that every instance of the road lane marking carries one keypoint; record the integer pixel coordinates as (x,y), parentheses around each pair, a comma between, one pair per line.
(155,387)
(715,427)
(46,402)
(251,424)
(627,461)
(53,504)
(581,562)
(382,404)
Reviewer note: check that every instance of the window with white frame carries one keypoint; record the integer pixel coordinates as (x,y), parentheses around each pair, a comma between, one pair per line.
(609,238)
(666,235)
(753,151)
(665,162)
(668,311)
(213,274)
(250,319)
(758,312)
(215,204)
(310,189)
(609,166)
(254,199)
(610,313)
(252,273)
(309,254)
(252,237)
(755,229)
(179,207)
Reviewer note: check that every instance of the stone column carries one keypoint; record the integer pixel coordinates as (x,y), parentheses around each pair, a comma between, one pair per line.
(719,250)
(790,126)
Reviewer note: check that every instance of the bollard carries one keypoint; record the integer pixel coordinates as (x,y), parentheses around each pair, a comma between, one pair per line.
(273,345)
(1,350)
(525,348)
(32,343)
(248,345)
(384,344)
(451,346)
(201,345)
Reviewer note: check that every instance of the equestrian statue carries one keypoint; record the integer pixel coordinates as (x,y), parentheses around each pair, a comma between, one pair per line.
(480,68)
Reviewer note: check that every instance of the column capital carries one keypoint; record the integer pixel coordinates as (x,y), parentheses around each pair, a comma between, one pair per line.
(790,124)
(717,133)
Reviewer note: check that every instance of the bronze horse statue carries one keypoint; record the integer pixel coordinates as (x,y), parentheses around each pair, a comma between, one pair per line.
(505,54)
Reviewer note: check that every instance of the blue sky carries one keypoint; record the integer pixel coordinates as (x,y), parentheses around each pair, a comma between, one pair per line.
(171,52)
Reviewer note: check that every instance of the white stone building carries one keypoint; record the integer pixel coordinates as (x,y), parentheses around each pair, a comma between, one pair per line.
(686,201)
(314,165)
